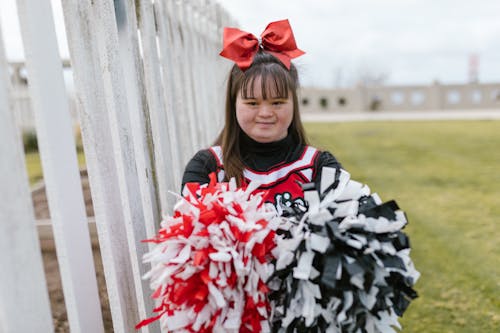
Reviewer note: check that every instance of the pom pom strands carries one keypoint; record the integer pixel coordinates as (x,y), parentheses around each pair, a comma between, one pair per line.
(343,265)
(211,260)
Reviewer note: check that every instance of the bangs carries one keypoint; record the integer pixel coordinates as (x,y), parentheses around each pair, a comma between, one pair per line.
(275,82)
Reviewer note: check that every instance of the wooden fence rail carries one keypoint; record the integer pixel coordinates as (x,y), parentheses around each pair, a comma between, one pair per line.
(147,84)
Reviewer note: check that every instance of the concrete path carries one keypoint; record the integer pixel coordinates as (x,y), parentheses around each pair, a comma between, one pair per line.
(401,115)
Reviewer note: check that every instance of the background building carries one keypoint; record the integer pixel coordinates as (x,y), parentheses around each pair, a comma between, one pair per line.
(402,98)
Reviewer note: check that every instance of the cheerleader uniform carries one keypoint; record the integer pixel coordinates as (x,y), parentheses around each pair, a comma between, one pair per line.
(280,167)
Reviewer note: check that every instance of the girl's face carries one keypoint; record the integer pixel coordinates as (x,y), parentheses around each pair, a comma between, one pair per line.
(264,120)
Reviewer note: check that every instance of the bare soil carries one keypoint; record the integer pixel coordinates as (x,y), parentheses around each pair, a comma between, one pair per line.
(51,266)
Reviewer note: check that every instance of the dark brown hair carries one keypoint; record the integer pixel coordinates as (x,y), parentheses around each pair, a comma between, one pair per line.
(276,80)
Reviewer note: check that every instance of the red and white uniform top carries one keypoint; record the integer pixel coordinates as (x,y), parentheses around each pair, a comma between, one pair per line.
(282,183)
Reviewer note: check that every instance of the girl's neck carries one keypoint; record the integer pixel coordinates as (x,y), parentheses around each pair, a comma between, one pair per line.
(249,145)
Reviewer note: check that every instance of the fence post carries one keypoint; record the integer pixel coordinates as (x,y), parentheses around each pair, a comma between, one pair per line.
(24,300)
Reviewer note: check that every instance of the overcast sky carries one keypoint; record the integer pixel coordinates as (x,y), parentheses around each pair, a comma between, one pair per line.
(409,41)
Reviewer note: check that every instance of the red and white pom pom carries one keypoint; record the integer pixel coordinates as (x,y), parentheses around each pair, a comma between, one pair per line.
(211,260)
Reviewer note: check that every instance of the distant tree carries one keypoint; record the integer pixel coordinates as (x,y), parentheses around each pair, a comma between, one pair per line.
(372,76)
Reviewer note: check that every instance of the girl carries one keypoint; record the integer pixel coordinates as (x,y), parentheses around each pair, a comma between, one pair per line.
(263,138)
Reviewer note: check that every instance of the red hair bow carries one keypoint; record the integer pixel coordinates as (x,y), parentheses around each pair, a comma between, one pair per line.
(277,39)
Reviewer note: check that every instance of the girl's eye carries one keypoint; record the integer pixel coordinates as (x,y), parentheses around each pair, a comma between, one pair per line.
(251,103)
(278,102)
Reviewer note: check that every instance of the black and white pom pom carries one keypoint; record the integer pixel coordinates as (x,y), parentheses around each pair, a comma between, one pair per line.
(344,264)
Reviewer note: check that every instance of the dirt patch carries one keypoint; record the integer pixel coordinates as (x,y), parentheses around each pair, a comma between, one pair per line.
(51,266)
(59,314)
(41,206)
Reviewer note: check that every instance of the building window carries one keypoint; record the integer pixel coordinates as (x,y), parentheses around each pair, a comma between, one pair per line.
(323,102)
(453,97)
(417,98)
(375,103)
(476,96)
(495,95)
(305,101)
(342,101)
(397,98)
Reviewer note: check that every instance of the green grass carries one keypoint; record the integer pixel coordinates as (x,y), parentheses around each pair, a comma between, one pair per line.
(34,167)
(446,177)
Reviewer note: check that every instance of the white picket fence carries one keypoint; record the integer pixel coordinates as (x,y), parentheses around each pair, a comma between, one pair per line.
(149,90)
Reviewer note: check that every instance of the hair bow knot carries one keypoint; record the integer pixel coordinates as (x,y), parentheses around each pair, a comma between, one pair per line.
(277,39)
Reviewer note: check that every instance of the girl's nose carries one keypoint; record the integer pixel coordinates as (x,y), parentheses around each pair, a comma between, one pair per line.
(265,110)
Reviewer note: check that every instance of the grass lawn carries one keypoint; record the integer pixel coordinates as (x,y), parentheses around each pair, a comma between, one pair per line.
(34,167)
(446,177)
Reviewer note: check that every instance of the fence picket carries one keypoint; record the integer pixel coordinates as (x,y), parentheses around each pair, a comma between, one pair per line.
(131,127)
(24,300)
(192,18)
(182,107)
(60,165)
(189,64)
(84,27)
(166,153)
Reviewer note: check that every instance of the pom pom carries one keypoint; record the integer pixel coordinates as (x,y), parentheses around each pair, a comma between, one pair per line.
(343,264)
(211,259)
